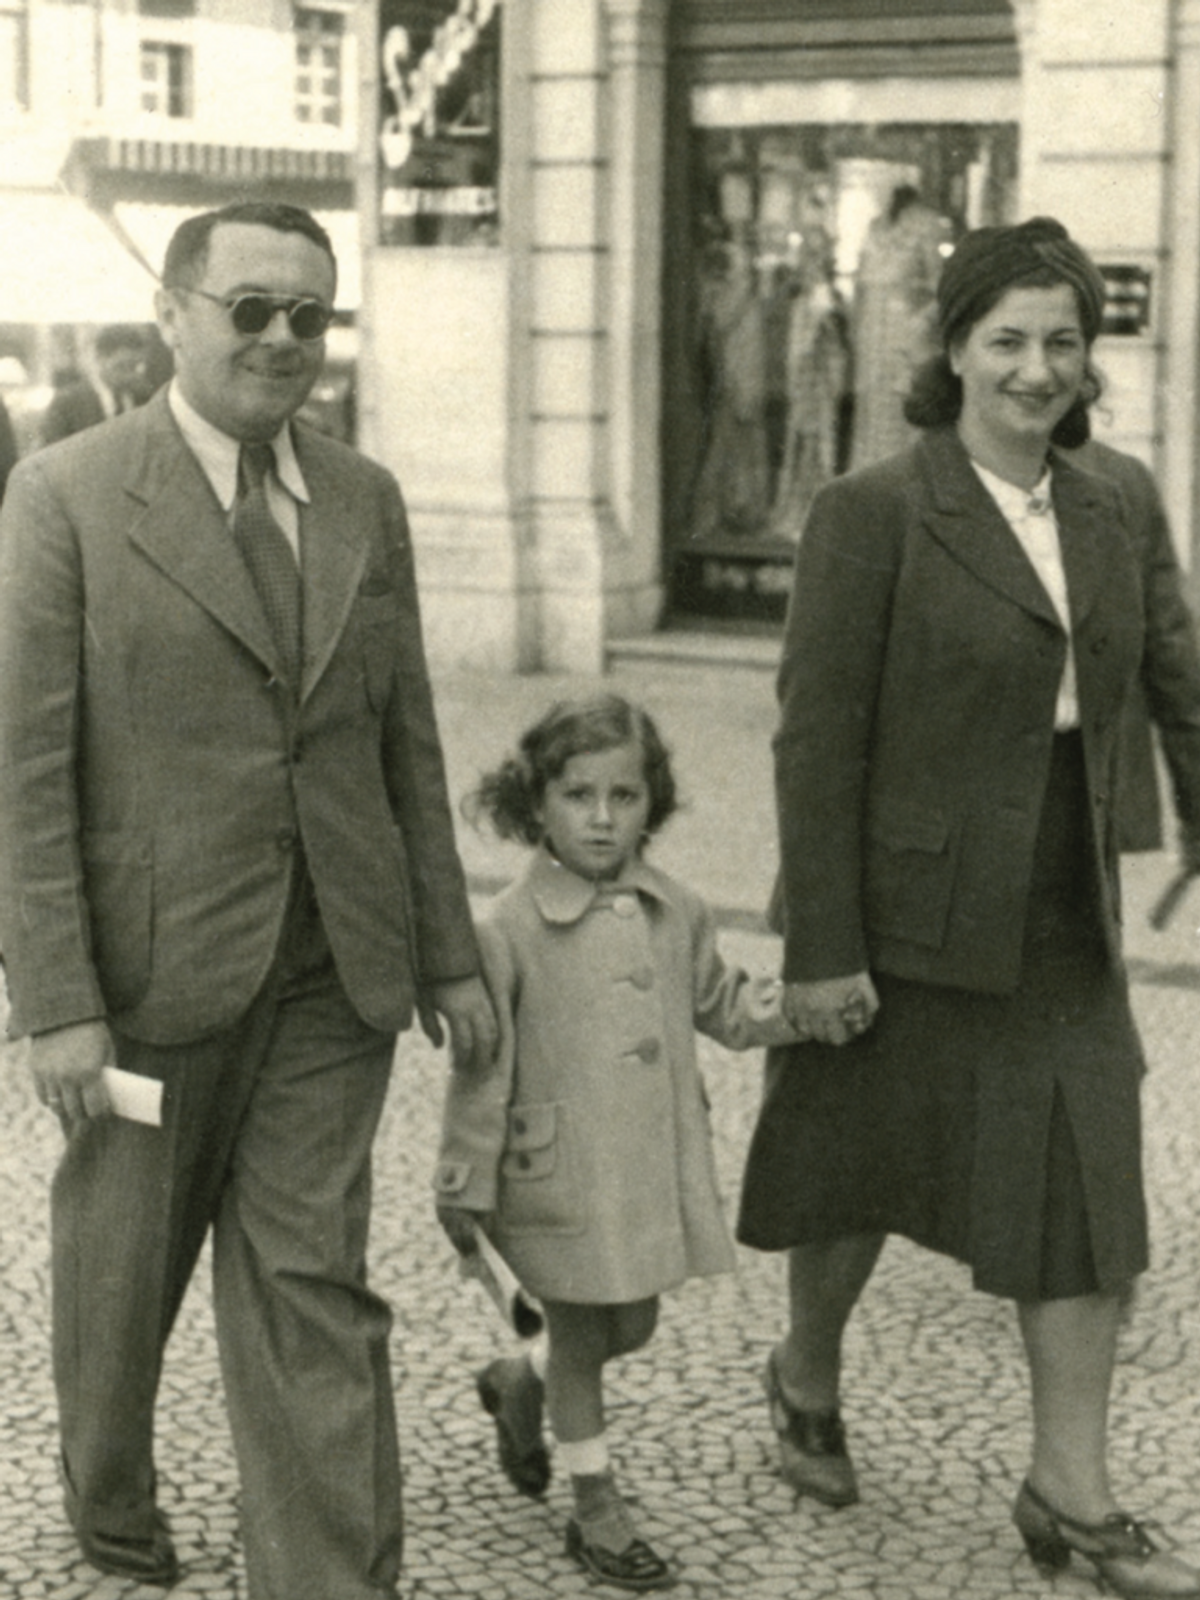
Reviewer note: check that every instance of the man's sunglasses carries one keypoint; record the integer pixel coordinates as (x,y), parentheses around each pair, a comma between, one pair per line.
(253,313)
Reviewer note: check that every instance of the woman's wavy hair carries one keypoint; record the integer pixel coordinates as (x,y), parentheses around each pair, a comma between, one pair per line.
(935,395)
(510,797)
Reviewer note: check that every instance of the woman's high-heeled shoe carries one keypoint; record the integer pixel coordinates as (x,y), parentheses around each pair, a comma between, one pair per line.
(1126,1559)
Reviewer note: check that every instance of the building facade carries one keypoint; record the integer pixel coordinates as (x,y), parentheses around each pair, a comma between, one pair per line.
(120,117)
(639,274)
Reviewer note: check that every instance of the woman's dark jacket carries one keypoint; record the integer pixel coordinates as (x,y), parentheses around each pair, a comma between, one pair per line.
(921,666)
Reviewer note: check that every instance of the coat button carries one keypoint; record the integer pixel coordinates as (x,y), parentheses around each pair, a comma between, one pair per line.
(642,978)
(625,905)
(524,1161)
(286,839)
(648,1051)
(518,1124)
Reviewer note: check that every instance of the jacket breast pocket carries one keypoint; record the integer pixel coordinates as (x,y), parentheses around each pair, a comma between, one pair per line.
(539,1188)
(118,873)
(911,862)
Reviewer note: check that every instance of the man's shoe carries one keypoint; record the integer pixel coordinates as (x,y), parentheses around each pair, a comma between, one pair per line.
(150,1560)
(812,1446)
(512,1394)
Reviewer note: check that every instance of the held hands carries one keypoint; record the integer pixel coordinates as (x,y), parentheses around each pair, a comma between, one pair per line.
(834,1010)
(66,1064)
(467,1008)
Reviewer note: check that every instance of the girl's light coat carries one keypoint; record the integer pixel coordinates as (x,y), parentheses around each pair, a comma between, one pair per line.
(590,1141)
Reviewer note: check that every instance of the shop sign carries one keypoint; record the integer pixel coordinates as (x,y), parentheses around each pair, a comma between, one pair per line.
(1127,299)
(439,143)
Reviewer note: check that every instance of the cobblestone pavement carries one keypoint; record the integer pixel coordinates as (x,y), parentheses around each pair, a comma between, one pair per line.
(934,1393)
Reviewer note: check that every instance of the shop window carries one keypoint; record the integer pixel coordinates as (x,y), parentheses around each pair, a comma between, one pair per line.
(811,261)
(165,72)
(319,67)
(14,55)
(439,111)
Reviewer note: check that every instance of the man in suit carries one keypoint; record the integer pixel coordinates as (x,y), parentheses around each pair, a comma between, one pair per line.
(119,385)
(227,866)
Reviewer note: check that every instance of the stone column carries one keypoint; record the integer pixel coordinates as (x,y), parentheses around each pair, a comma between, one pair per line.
(637,63)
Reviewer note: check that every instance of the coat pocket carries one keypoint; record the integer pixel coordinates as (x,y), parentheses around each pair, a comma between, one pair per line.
(118,873)
(911,856)
(539,1189)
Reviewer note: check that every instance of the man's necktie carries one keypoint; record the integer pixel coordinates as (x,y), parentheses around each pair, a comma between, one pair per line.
(268,555)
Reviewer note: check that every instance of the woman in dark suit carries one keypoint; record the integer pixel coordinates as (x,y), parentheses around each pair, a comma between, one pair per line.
(966,620)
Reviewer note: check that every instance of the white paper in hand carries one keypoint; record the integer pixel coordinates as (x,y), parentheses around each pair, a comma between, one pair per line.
(136,1098)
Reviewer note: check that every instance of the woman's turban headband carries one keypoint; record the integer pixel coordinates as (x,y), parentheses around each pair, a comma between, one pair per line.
(987,260)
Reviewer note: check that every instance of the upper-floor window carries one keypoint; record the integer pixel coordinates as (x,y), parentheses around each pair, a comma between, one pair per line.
(165,88)
(14,55)
(319,66)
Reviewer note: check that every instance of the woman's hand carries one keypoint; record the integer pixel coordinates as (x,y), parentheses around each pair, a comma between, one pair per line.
(834,1010)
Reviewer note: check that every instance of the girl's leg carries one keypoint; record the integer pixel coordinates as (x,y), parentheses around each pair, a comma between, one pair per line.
(602,1535)
(1071,1346)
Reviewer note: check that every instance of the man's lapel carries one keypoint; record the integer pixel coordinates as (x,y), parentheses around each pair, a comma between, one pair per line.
(182,529)
(335,530)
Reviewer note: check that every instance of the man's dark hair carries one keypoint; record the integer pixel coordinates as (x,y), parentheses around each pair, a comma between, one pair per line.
(120,336)
(187,253)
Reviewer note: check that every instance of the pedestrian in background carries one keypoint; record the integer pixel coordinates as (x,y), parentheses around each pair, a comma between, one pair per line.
(119,384)
(228,870)
(966,622)
(587,1155)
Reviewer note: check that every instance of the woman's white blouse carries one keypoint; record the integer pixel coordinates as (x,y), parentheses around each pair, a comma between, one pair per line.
(1030,515)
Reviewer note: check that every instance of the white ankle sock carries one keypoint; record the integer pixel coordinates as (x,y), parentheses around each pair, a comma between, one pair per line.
(583,1458)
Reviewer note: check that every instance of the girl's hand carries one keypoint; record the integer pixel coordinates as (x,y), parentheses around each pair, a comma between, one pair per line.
(459,1225)
(834,1010)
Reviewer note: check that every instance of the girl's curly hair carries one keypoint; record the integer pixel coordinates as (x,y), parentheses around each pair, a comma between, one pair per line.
(510,796)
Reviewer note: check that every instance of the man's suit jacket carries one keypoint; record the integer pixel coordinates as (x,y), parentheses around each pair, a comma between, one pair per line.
(75,407)
(157,779)
(920,671)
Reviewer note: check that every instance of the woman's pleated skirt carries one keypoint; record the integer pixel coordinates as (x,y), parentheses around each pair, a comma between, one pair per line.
(1002,1130)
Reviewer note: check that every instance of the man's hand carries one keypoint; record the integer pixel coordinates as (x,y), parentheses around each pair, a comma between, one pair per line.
(467,1008)
(66,1065)
(834,1010)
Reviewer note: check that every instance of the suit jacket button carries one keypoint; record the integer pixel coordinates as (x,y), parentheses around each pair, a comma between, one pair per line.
(648,1051)
(625,905)
(642,978)
(286,839)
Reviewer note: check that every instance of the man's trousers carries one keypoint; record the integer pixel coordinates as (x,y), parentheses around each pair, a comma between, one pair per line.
(266,1137)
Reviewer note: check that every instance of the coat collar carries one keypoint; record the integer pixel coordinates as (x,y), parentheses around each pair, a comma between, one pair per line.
(563,897)
(181,528)
(965,518)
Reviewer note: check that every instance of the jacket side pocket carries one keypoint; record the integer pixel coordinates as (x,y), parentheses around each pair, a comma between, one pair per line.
(539,1188)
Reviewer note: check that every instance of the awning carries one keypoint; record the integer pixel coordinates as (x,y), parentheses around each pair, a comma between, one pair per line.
(149,228)
(60,263)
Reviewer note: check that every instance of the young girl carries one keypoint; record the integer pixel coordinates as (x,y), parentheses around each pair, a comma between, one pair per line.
(586,1155)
